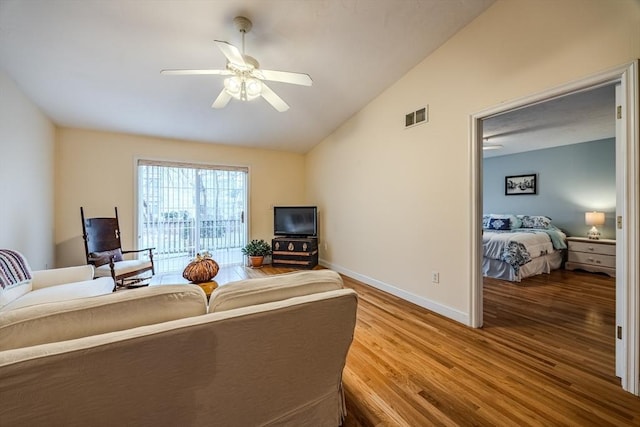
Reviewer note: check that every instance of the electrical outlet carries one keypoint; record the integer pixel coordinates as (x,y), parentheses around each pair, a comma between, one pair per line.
(435,277)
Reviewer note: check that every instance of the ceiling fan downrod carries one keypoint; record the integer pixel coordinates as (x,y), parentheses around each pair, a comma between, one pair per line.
(243,25)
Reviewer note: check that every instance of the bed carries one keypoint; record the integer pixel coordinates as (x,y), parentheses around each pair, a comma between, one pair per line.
(520,246)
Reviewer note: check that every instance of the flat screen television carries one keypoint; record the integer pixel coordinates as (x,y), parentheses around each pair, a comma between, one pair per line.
(295,221)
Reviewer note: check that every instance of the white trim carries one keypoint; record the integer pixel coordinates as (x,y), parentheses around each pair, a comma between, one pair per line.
(476,303)
(628,75)
(415,299)
(631,230)
(136,214)
(621,190)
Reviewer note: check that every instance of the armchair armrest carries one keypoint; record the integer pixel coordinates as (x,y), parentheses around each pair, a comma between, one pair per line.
(138,250)
(59,276)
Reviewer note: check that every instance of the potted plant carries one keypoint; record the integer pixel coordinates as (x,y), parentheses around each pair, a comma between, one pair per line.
(256,250)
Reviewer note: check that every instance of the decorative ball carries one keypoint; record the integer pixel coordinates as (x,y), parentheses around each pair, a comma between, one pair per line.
(200,270)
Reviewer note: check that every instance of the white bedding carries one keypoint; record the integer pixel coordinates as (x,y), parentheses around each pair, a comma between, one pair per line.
(515,254)
(536,244)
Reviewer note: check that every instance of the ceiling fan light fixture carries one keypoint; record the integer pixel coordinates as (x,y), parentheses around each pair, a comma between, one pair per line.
(253,88)
(233,86)
(242,88)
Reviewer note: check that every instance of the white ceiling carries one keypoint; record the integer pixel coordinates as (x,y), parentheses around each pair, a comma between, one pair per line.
(95,63)
(580,117)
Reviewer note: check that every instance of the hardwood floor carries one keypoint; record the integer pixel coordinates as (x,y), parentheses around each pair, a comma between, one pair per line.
(545,357)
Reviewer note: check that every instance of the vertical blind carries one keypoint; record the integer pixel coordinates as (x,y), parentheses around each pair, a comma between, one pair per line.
(184,209)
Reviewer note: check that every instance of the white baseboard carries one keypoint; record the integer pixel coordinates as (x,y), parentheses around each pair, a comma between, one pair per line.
(400,293)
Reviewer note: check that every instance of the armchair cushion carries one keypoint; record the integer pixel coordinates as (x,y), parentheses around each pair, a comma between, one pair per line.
(248,292)
(123,267)
(102,258)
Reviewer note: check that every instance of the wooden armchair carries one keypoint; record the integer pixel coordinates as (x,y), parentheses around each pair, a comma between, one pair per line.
(104,251)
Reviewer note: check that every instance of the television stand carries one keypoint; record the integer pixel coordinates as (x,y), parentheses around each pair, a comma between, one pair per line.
(294,252)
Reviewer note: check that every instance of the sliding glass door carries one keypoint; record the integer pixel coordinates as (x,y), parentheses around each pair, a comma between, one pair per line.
(184,209)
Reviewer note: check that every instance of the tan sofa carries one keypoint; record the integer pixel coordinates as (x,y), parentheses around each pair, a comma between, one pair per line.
(262,352)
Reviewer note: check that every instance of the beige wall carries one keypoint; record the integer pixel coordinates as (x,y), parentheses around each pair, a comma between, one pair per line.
(26,176)
(96,170)
(397,202)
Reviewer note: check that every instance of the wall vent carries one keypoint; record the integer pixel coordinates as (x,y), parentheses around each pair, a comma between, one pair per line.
(417,117)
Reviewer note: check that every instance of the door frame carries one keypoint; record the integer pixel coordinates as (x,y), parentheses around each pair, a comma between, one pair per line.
(627,175)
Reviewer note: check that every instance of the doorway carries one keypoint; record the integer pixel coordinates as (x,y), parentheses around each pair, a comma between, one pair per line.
(185,209)
(627,170)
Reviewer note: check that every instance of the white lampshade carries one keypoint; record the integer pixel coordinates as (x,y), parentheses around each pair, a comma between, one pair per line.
(594,218)
(253,88)
(233,86)
(244,89)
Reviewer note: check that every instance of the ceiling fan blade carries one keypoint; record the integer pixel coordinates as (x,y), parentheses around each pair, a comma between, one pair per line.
(285,77)
(222,100)
(273,99)
(185,72)
(231,52)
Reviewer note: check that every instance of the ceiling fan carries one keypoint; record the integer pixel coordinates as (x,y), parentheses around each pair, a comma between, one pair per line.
(247,79)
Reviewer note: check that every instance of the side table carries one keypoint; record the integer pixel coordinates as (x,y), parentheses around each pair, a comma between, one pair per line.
(595,256)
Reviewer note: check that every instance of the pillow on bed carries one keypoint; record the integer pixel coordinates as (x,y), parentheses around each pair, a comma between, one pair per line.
(514,221)
(535,221)
(499,224)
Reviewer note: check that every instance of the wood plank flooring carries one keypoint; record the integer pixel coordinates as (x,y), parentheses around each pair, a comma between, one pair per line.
(545,357)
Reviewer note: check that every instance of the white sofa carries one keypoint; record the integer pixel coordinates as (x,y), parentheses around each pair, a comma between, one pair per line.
(53,285)
(262,352)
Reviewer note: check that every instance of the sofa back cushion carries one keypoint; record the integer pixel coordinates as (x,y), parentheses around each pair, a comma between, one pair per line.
(60,321)
(273,288)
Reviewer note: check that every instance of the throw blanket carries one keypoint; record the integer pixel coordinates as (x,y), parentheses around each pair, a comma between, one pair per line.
(13,268)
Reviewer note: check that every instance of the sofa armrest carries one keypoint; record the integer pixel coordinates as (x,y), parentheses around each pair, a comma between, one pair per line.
(59,276)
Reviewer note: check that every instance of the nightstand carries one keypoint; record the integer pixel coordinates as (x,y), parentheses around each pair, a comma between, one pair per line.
(596,256)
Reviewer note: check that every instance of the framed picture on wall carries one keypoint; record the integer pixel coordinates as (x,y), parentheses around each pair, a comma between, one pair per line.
(520,185)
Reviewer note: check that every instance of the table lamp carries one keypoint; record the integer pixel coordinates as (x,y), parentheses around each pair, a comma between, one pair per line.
(594,218)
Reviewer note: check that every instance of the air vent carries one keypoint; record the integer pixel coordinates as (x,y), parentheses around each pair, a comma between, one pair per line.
(416,117)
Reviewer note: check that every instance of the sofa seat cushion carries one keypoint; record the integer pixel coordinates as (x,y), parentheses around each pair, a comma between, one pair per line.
(248,292)
(67,291)
(61,321)
(122,267)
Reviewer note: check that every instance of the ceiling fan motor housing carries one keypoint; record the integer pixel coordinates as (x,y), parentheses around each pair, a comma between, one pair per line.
(243,24)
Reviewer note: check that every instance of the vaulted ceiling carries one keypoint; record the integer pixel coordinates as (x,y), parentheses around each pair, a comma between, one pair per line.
(96,63)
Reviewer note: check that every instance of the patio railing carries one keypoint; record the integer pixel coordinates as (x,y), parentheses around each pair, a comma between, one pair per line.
(180,238)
